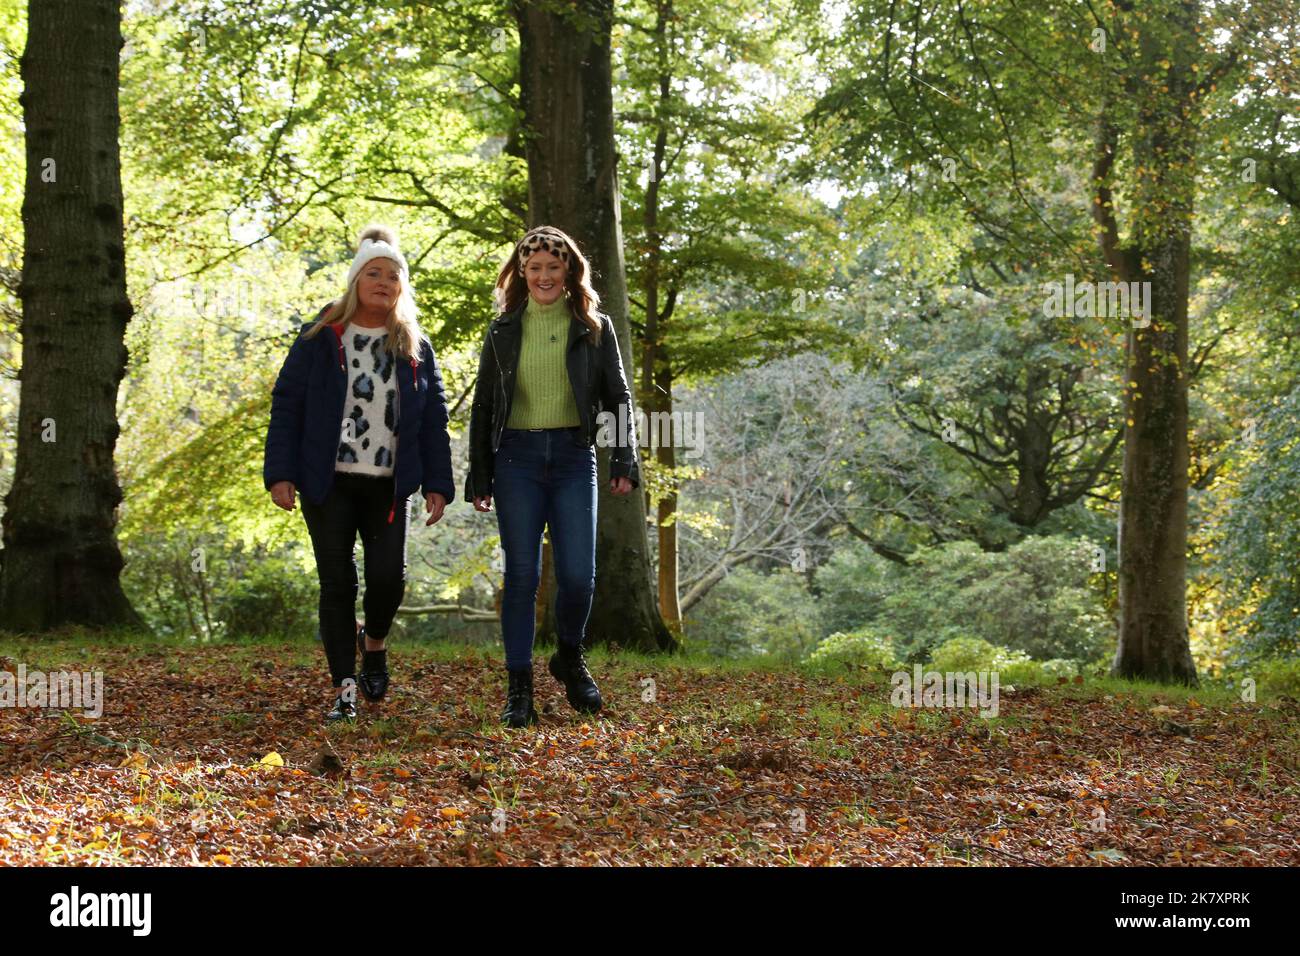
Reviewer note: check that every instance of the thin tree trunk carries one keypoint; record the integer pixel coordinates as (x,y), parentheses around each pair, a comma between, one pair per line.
(1153,638)
(666,455)
(545,631)
(62,563)
(567,99)
(657,372)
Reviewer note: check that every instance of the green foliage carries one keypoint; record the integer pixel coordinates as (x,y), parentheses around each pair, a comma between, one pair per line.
(269,598)
(1041,672)
(864,646)
(753,613)
(908,114)
(852,586)
(737,253)
(205,587)
(1261,534)
(1020,406)
(1035,597)
(972,654)
(1060,668)
(13,160)
(1274,677)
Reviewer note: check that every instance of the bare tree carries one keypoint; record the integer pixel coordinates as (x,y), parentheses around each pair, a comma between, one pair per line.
(794,454)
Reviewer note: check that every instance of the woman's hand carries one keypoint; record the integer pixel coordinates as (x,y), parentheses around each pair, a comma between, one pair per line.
(434,503)
(483,504)
(620,486)
(282,494)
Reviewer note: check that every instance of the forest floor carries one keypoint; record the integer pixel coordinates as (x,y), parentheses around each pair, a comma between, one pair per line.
(217,754)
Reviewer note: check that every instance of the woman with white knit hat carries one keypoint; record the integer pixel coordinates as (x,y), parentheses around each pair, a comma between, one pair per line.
(358,423)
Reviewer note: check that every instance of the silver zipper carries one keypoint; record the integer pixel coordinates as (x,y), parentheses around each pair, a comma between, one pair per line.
(343,368)
(397,432)
(496,438)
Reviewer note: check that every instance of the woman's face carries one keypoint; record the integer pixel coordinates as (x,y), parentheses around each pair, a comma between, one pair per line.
(378,285)
(545,274)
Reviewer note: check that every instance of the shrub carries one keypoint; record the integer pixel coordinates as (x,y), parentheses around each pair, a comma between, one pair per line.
(753,613)
(1022,672)
(864,646)
(852,586)
(972,654)
(1274,677)
(1060,668)
(232,593)
(268,600)
(1038,596)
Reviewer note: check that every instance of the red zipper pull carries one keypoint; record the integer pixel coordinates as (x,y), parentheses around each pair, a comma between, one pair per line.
(392,511)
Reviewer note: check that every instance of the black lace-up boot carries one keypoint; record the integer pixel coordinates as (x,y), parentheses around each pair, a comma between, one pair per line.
(569,667)
(519,710)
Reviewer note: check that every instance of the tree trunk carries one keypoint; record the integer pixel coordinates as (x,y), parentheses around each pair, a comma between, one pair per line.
(62,563)
(1153,639)
(656,376)
(666,456)
(567,100)
(545,631)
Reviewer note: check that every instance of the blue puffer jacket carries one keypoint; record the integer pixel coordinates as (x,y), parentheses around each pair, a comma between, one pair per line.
(307,407)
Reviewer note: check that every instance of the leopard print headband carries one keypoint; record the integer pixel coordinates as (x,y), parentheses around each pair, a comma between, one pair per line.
(536,242)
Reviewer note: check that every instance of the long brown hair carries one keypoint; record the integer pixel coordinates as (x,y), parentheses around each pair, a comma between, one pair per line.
(511,290)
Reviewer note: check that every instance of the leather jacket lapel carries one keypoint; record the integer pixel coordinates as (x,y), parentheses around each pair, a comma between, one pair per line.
(577,361)
(577,330)
(507,331)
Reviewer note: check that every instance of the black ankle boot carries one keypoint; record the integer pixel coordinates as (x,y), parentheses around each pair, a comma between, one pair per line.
(569,667)
(373,676)
(519,710)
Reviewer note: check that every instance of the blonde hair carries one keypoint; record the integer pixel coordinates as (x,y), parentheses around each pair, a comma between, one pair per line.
(402,325)
(511,289)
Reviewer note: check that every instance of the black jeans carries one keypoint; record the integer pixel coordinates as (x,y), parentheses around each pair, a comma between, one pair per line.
(356,503)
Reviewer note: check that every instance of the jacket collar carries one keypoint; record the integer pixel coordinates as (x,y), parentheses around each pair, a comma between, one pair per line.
(507,318)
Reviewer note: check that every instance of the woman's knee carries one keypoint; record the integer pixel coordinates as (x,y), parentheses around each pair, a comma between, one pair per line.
(337,578)
(521,582)
(576,586)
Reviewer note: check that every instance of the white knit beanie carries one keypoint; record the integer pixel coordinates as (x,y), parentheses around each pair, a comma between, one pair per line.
(377,242)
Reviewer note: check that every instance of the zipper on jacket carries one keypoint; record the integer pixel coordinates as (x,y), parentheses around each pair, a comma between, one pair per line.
(343,406)
(415,384)
(506,395)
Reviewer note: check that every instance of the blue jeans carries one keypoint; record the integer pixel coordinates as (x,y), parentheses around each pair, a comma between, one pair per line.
(545,477)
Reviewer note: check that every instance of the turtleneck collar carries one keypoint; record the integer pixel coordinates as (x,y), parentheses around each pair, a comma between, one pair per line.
(556,309)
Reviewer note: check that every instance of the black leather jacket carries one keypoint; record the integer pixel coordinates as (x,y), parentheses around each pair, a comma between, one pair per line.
(595,373)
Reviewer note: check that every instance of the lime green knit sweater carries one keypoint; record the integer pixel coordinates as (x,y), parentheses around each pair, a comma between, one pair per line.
(543,397)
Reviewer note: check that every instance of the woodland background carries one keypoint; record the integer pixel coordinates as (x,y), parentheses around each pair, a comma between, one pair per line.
(837,223)
(824,232)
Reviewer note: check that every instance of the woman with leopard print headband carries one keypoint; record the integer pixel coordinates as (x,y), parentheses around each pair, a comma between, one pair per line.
(550,373)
